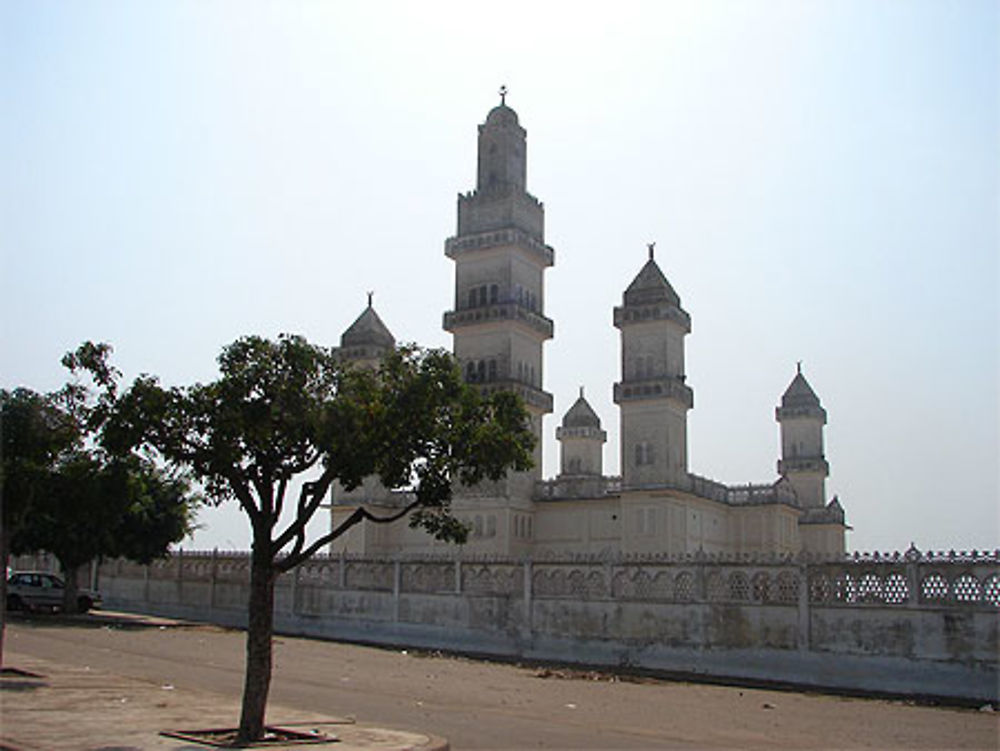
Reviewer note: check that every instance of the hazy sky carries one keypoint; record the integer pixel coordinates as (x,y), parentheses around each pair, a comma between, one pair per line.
(821,180)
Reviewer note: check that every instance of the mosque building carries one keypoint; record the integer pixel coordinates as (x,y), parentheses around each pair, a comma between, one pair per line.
(657,505)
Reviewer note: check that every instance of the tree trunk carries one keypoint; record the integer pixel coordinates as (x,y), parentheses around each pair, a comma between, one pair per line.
(260,625)
(72,588)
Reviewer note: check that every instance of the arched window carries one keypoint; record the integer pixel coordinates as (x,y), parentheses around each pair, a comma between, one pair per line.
(481,370)
(493,370)
(472,298)
(494,293)
(482,295)
(470,372)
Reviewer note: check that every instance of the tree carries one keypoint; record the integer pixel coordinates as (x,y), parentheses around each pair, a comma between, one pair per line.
(91,505)
(35,431)
(64,493)
(286,410)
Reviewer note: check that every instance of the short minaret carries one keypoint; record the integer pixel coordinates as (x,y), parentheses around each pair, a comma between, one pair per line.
(652,395)
(367,340)
(802,417)
(498,320)
(581,441)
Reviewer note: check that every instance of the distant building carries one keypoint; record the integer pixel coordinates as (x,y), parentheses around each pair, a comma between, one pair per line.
(657,505)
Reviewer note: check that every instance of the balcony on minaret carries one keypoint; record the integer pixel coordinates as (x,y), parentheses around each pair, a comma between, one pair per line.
(512,311)
(803,464)
(664,387)
(497,238)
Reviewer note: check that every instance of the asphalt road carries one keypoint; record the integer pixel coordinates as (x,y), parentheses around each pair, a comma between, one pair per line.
(481,705)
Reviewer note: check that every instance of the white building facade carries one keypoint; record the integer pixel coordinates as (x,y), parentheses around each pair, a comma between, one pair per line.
(656,506)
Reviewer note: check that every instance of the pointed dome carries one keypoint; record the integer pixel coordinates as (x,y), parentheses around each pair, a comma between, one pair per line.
(581,415)
(368,329)
(651,286)
(502,115)
(799,393)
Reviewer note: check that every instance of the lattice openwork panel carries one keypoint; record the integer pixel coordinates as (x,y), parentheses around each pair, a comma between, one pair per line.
(428,577)
(787,587)
(934,587)
(363,575)
(586,584)
(550,582)
(323,573)
(896,589)
(760,586)
(845,588)
(870,587)
(967,589)
(715,587)
(739,586)
(820,588)
(684,586)
(493,579)
(991,590)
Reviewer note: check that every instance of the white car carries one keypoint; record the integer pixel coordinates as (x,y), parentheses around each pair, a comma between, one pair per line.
(35,590)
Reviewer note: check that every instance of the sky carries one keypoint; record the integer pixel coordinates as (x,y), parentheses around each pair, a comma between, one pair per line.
(820,178)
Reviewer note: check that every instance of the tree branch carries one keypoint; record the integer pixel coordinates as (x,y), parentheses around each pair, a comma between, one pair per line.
(360,514)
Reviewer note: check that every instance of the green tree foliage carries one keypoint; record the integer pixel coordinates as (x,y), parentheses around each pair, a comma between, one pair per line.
(64,493)
(286,410)
(34,432)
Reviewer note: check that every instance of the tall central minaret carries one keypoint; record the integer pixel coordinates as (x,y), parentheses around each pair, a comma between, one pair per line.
(498,321)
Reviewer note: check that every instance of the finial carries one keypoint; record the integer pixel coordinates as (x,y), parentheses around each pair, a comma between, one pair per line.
(798,367)
(651,247)
(581,392)
(370,295)
(503,95)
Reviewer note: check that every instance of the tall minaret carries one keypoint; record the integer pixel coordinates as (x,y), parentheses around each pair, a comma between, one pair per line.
(802,417)
(500,255)
(652,396)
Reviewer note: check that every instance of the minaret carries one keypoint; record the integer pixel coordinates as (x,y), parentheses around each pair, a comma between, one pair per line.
(367,340)
(652,396)
(802,417)
(581,441)
(500,255)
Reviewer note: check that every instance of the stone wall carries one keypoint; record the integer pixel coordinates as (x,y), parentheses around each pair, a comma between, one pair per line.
(915,624)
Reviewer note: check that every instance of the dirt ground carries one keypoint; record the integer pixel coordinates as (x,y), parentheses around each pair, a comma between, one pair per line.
(483,705)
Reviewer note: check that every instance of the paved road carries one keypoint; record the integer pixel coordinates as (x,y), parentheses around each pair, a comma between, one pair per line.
(478,705)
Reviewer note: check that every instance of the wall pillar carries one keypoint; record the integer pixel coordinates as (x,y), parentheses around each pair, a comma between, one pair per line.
(528,626)
(805,619)
(397,577)
(213,575)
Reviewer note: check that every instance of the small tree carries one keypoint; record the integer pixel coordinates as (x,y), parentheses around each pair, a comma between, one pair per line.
(63,493)
(35,431)
(288,409)
(92,505)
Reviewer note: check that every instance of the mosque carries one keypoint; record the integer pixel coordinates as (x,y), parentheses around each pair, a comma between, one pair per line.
(657,505)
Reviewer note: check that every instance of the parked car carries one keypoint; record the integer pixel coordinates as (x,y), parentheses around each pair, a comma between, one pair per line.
(37,590)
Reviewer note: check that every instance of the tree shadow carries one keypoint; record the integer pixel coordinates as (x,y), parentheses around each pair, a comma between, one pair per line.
(97,620)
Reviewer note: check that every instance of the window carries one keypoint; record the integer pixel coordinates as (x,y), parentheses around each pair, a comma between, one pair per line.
(482,295)
(493,370)
(470,372)
(494,293)
(645,521)
(472,298)
(481,371)
(644,454)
